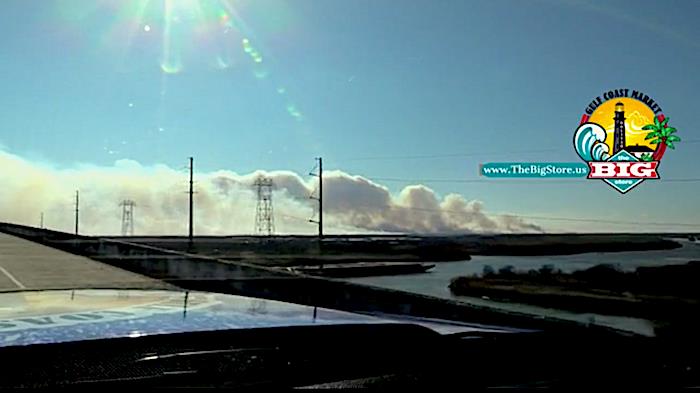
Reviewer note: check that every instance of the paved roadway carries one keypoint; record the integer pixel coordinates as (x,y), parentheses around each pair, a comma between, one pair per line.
(28,265)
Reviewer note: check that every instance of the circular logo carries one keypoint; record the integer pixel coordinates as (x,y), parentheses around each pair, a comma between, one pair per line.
(623,135)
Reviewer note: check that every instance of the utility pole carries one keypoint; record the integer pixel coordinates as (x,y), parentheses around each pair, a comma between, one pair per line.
(41,221)
(320,206)
(77,209)
(320,197)
(191,226)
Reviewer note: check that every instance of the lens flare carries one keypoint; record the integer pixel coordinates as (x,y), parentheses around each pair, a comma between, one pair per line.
(224,19)
(222,63)
(170,61)
(171,68)
(251,51)
(294,112)
(181,35)
(260,74)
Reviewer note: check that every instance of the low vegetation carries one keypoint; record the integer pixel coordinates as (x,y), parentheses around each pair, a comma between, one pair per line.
(656,292)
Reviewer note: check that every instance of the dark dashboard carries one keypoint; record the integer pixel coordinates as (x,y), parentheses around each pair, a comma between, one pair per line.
(363,355)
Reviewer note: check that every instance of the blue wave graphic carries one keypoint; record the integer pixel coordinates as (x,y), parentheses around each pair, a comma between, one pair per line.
(589,142)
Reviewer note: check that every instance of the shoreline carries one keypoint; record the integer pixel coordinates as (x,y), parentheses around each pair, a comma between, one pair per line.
(661,293)
(303,250)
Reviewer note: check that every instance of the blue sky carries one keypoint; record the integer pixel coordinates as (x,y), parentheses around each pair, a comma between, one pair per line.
(368,79)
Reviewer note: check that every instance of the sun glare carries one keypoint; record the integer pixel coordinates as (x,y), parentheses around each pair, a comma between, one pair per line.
(182,35)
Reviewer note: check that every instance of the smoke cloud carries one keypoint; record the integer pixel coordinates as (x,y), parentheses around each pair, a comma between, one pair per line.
(225,202)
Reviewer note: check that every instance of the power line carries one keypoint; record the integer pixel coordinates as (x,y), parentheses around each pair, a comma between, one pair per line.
(549,218)
(468,154)
(426,180)
(640,223)
(533,217)
(306,220)
(510,181)
(689,180)
(449,155)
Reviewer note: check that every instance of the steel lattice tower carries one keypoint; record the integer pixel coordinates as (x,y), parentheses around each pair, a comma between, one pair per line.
(127,217)
(264,218)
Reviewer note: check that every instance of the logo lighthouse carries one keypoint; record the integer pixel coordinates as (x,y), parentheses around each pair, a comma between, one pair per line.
(623,136)
(619,138)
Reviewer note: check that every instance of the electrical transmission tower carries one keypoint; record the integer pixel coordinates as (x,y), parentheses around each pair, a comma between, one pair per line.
(127,217)
(264,218)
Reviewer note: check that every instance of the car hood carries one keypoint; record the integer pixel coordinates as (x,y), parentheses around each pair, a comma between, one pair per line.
(40,317)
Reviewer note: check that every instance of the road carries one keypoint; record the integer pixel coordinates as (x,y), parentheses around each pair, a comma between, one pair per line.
(28,265)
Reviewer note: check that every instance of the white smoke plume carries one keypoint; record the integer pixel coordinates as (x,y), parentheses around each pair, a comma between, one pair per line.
(225,202)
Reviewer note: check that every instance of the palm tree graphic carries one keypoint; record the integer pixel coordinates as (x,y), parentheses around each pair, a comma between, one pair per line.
(662,136)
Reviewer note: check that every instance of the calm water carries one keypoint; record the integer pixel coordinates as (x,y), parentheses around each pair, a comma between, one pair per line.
(435,282)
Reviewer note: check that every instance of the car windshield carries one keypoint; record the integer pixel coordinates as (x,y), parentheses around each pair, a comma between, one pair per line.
(523,157)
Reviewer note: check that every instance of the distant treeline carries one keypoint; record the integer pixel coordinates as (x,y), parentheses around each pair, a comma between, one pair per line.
(670,280)
(660,293)
(338,249)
